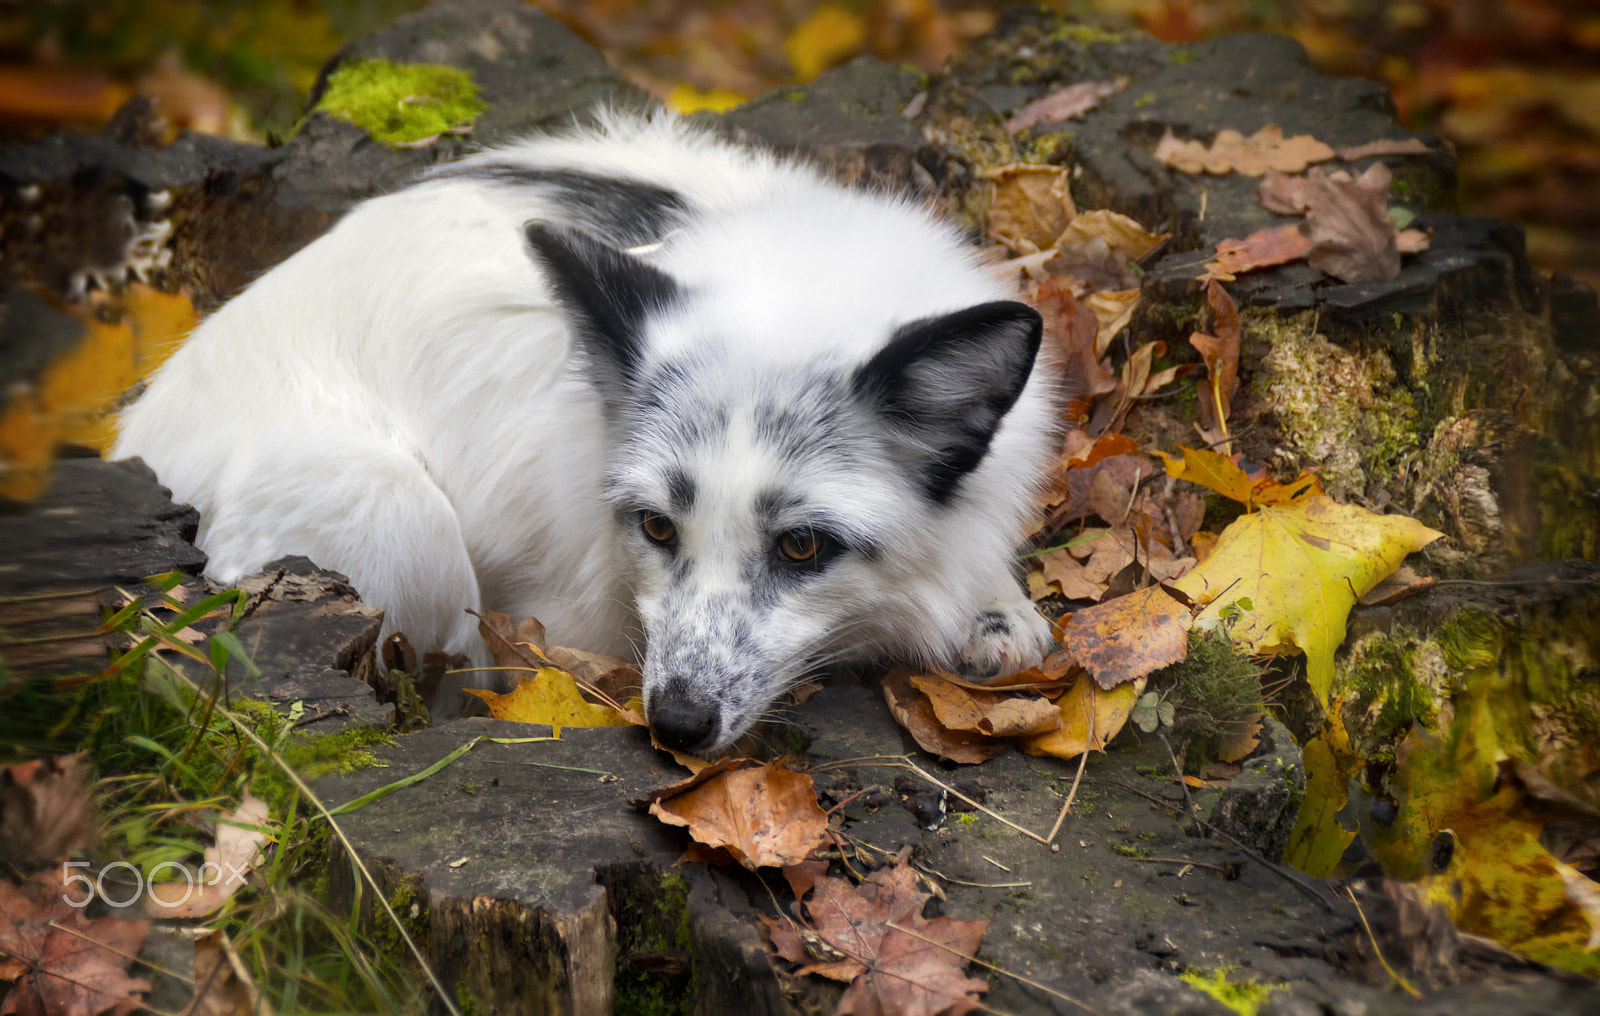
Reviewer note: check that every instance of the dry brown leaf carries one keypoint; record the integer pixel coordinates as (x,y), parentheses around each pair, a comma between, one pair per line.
(1265,247)
(1064,103)
(612,676)
(1404,583)
(1221,355)
(46,813)
(1091,266)
(1129,637)
(1032,206)
(1347,221)
(852,933)
(1113,309)
(1110,499)
(61,963)
(1074,327)
(1126,238)
(912,710)
(1384,146)
(1073,505)
(1412,241)
(987,713)
(763,815)
(1232,152)
(237,845)
(1282,193)
(1065,573)
(1237,743)
(222,983)
(1189,509)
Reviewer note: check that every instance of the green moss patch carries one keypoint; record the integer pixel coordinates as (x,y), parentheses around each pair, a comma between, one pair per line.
(402,103)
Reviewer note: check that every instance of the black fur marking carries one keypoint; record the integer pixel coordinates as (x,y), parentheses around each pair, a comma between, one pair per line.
(946,383)
(628,213)
(608,295)
(680,493)
(994,623)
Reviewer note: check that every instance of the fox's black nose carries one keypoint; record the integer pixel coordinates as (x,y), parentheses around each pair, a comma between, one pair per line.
(679,723)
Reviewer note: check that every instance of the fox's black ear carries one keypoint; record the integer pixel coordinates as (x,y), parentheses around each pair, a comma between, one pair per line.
(606,293)
(945,383)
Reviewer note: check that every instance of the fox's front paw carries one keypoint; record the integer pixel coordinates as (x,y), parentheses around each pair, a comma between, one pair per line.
(1005,638)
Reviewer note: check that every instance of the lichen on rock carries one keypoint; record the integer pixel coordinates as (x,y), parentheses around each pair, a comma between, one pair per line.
(402,103)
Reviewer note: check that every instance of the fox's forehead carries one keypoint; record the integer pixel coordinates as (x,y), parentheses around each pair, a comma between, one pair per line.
(766,452)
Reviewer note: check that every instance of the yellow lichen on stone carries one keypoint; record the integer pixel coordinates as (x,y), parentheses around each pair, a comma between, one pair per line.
(402,103)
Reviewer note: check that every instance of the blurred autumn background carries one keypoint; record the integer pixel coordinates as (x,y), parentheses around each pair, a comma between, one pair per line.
(1513,84)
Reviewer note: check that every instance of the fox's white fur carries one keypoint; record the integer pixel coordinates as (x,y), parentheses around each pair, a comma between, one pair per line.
(475,392)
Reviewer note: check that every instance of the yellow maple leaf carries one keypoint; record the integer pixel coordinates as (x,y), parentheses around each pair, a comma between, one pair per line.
(831,35)
(1302,566)
(550,696)
(1221,474)
(76,395)
(689,99)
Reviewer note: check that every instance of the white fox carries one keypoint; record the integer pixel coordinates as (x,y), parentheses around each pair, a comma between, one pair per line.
(631,379)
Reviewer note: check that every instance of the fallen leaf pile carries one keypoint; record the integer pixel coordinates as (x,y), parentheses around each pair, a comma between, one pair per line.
(1062,716)
(1348,232)
(60,962)
(873,936)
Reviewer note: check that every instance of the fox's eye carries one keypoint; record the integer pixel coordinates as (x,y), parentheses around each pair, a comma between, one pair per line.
(798,544)
(658,528)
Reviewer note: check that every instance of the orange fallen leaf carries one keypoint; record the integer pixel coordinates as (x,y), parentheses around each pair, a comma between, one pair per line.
(1275,245)
(1105,446)
(1129,637)
(764,815)
(987,713)
(912,710)
(1062,573)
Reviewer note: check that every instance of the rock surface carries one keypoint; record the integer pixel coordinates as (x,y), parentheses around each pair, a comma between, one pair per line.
(526,872)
